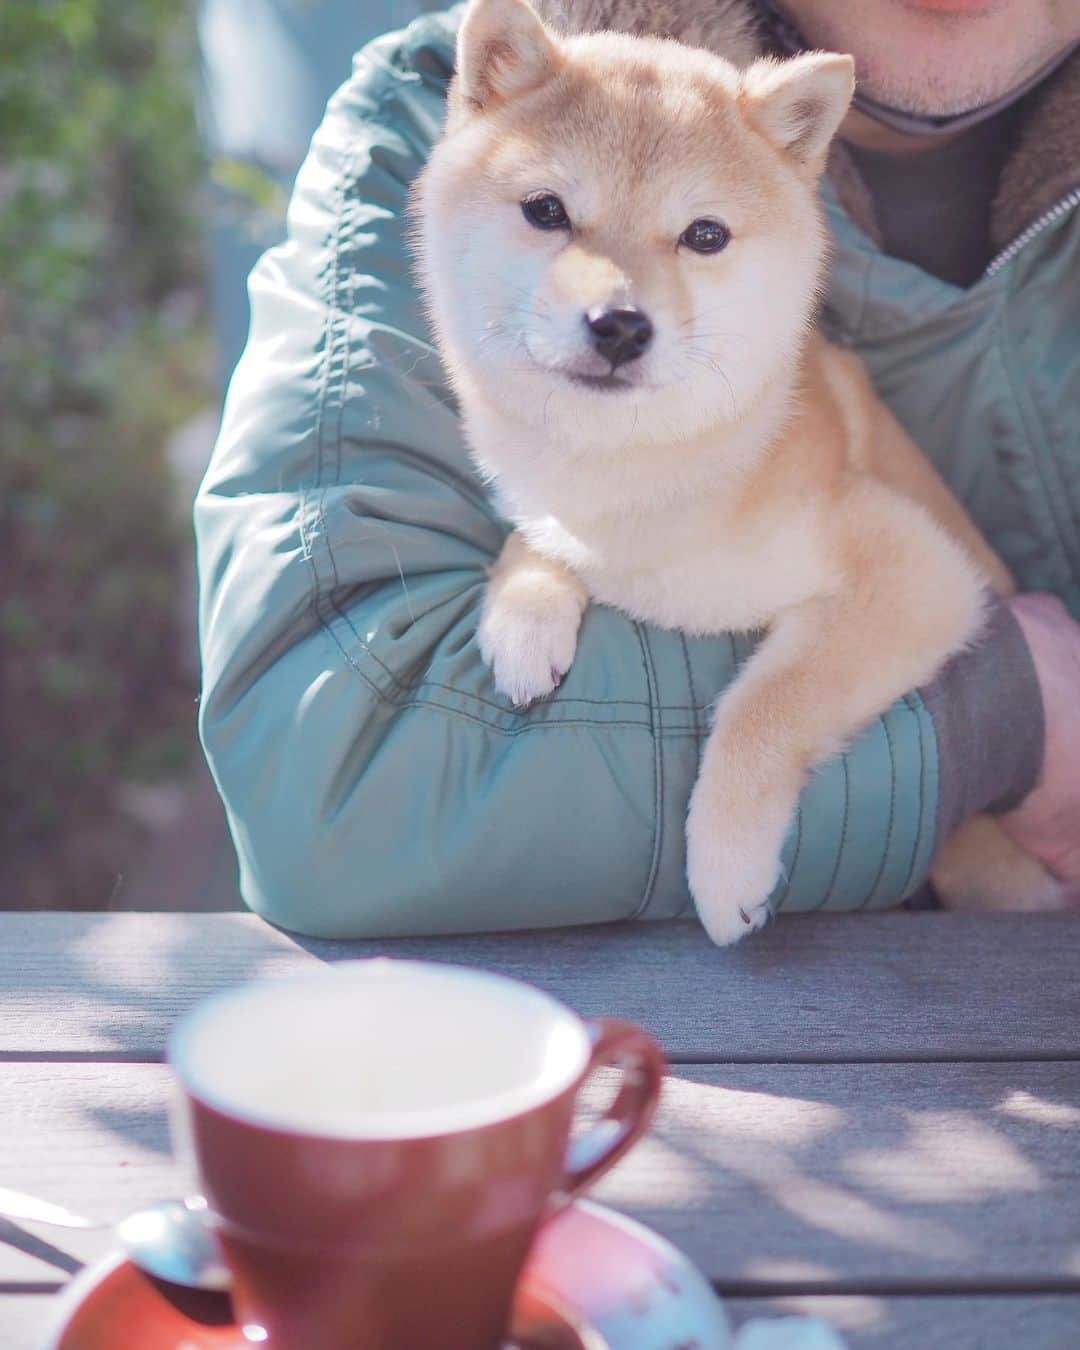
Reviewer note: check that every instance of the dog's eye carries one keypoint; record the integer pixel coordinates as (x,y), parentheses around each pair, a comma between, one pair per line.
(545,211)
(705,236)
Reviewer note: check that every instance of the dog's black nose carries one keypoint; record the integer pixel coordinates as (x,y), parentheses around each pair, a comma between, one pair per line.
(619,335)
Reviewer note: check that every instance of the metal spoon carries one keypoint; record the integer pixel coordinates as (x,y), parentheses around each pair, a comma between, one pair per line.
(171,1240)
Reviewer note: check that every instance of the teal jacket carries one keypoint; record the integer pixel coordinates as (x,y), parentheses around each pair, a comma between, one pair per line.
(375,783)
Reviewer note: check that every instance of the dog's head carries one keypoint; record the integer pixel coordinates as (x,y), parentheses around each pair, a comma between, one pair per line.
(615,222)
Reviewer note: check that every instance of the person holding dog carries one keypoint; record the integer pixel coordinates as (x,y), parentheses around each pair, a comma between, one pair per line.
(375,782)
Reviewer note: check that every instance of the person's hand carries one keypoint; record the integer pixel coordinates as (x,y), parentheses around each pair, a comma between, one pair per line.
(1047,822)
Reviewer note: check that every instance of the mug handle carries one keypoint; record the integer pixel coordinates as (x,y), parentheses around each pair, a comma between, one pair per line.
(641,1060)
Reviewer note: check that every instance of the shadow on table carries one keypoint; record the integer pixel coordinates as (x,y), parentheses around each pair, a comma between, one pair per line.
(853,1176)
(12,1235)
(919,1175)
(770,1175)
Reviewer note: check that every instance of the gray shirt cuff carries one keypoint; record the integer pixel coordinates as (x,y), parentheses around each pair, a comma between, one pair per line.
(987,710)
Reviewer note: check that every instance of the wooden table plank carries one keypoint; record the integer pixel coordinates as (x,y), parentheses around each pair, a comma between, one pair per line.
(22,1320)
(948,1322)
(892,986)
(802,1178)
(988,1322)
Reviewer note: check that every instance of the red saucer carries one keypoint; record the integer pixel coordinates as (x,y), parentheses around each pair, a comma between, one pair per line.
(594,1281)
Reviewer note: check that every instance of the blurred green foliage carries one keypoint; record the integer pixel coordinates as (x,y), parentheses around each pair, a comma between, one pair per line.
(102,355)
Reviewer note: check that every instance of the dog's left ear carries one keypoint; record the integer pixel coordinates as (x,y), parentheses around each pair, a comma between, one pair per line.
(799,103)
(503,49)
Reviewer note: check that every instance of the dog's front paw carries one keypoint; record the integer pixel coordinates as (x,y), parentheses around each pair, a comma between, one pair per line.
(529,644)
(733,859)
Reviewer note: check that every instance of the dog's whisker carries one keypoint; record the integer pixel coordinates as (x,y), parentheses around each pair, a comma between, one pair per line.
(709,363)
(633,428)
(547,404)
(397,367)
(702,335)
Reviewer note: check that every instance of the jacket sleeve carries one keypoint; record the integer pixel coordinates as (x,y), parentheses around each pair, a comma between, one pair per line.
(374,781)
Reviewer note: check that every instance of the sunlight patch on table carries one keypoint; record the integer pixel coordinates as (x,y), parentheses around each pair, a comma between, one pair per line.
(948,1156)
(846,1312)
(760,1117)
(1026,1106)
(831,1208)
(103,956)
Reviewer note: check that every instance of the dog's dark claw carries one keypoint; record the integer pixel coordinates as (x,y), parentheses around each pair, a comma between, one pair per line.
(743,915)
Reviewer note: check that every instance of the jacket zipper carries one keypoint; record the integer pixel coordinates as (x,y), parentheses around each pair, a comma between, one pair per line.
(1057,212)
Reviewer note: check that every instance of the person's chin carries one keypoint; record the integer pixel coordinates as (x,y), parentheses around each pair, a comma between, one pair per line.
(954,6)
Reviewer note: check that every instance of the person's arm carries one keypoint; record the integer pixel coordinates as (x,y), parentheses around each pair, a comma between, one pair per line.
(375,782)
(988,719)
(1046,821)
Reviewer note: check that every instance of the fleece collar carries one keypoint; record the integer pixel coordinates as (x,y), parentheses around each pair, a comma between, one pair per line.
(1043,165)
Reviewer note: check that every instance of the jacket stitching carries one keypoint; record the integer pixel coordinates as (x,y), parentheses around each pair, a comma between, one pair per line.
(394,679)
(402,705)
(415,697)
(332,600)
(348,200)
(332,313)
(307,546)
(1044,459)
(418,701)
(309,533)
(352,201)
(786,892)
(528,726)
(843,838)
(737,656)
(690,686)
(919,813)
(346,331)
(658,774)
(864,292)
(330,299)
(693,707)
(872,893)
(403,688)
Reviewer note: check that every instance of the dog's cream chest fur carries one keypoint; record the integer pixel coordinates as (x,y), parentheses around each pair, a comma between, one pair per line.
(699,568)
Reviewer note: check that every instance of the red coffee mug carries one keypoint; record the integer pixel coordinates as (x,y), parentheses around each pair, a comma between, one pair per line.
(380,1141)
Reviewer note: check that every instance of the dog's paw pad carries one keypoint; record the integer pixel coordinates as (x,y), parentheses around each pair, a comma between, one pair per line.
(530,649)
(732,873)
(725,922)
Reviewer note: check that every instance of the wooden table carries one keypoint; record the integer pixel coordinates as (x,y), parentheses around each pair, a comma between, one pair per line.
(876,1118)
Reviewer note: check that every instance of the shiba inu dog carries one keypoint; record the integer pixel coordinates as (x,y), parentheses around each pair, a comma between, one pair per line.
(622,248)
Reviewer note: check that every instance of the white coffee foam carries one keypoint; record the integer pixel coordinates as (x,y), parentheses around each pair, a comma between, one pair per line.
(382,1049)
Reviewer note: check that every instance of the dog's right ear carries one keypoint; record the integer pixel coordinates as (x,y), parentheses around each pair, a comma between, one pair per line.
(503,50)
(799,103)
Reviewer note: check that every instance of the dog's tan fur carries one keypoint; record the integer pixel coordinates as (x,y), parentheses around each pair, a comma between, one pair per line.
(749,477)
